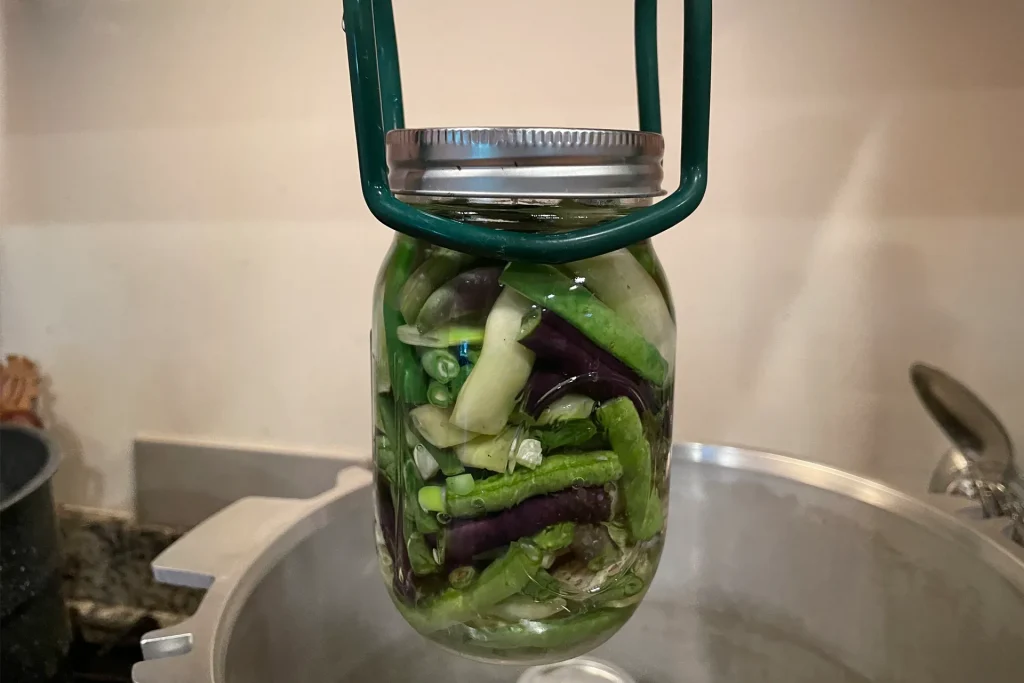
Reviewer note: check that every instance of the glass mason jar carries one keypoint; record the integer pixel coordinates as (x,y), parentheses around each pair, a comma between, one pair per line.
(523,411)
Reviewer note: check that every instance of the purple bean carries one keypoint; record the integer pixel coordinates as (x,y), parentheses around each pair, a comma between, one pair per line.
(467,295)
(545,385)
(402,583)
(552,338)
(568,361)
(465,539)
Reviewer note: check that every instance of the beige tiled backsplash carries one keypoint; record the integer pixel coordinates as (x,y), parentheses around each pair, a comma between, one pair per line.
(186,253)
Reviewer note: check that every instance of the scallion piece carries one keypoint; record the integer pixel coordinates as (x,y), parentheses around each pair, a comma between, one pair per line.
(461,577)
(441,338)
(431,499)
(440,364)
(460,484)
(438,394)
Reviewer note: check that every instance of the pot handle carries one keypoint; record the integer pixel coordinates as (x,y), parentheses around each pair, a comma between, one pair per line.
(224,547)
(232,536)
(217,545)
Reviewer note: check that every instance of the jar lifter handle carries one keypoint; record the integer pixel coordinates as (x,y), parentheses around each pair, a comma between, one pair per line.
(377,107)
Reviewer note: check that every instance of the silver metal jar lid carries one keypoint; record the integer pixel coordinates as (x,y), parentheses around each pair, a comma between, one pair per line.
(525,162)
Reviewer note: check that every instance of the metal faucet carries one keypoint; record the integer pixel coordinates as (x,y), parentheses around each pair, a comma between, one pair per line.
(980,465)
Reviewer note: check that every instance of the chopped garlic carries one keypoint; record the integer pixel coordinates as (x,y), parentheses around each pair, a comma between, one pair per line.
(529,453)
(425,462)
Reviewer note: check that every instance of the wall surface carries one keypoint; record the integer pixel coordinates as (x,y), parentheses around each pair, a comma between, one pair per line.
(186,253)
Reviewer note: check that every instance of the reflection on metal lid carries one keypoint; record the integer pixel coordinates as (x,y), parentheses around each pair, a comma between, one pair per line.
(579,670)
(525,162)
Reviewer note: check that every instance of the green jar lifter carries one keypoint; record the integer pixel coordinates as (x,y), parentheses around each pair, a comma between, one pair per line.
(523,348)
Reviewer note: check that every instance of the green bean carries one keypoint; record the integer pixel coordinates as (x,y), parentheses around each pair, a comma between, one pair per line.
(420,556)
(574,433)
(543,586)
(555,473)
(555,537)
(407,381)
(386,415)
(626,434)
(384,456)
(502,579)
(402,472)
(550,633)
